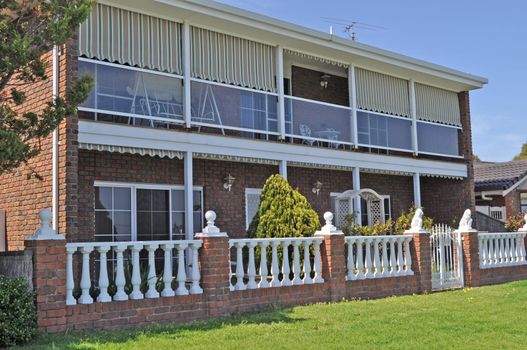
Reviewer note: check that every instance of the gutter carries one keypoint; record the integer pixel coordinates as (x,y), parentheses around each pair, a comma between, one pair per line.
(55,144)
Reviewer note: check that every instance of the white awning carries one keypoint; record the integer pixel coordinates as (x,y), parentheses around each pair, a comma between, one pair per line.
(133,150)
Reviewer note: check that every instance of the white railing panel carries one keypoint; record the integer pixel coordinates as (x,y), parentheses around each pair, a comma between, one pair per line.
(282,262)
(130,276)
(378,257)
(501,249)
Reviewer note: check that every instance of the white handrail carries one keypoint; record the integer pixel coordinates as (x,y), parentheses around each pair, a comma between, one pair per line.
(378,257)
(501,249)
(284,271)
(132,250)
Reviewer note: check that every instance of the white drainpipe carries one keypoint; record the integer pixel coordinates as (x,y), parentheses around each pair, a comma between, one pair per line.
(55,148)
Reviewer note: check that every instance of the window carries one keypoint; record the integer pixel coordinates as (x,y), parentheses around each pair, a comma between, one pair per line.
(258,112)
(384,131)
(252,203)
(126,212)
(523,202)
(437,139)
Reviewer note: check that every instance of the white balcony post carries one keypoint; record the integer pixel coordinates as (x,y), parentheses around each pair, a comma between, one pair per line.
(85,284)
(280,87)
(282,168)
(413,115)
(195,274)
(152,278)
(181,277)
(70,283)
(286,270)
(317,263)
(307,263)
(136,273)
(275,282)
(120,280)
(167,273)
(240,273)
(417,190)
(296,263)
(189,198)
(103,297)
(186,74)
(251,268)
(263,266)
(356,200)
(352,90)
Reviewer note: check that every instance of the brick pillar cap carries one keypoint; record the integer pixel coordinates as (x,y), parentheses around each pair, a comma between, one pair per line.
(419,232)
(45,232)
(465,230)
(328,228)
(211,230)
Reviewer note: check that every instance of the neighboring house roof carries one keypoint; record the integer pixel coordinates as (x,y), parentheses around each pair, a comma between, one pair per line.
(498,176)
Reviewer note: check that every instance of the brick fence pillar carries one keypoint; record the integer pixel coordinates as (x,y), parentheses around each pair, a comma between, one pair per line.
(421,258)
(215,268)
(49,275)
(471,269)
(333,259)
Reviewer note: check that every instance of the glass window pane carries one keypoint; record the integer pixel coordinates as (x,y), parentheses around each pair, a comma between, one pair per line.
(103,223)
(160,224)
(144,200)
(178,200)
(198,225)
(437,139)
(121,198)
(178,226)
(160,200)
(122,223)
(103,198)
(144,225)
(197,200)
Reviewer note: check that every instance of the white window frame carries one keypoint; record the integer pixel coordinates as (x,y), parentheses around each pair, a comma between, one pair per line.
(387,209)
(145,186)
(249,191)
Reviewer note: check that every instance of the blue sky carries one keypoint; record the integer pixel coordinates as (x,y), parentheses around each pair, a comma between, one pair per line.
(482,37)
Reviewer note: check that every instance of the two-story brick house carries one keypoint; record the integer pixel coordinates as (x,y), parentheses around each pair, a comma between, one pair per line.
(197,103)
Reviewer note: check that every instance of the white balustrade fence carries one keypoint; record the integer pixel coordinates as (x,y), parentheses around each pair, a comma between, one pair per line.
(501,249)
(95,257)
(300,262)
(378,257)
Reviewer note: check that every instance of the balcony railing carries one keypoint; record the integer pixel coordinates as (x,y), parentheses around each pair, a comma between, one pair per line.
(143,97)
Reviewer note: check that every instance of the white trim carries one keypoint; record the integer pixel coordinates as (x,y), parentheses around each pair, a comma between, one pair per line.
(187,99)
(317,102)
(123,66)
(417,190)
(226,127)
(130,115)
(249,191)
(441,155)
(439,124)
(282,168)
(356,186)
(55,144)
(123,135)
(507,191)
(205,81)
(189,196)
(384,114)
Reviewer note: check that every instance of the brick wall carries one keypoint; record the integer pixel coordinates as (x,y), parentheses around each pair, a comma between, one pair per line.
(306,83)
(512,203)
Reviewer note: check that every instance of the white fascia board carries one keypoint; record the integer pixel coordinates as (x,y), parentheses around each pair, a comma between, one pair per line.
(273,25)
(509,190)
(132,136)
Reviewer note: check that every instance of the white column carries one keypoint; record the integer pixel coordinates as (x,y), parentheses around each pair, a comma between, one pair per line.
(413,114)
(356,200)
(189,195)
(282,168)
(417,190)
(280,87)
(186,74)
(352,89)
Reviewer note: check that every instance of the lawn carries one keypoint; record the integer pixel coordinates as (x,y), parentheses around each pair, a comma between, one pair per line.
(489,317)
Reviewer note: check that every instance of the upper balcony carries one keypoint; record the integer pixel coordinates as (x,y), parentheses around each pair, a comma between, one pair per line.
(179,76)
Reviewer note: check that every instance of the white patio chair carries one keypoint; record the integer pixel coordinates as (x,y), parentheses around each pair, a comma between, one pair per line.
(305,131)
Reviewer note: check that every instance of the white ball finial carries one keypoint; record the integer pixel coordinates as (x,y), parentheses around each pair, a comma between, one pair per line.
(45,232)
(45,216)
(328,216)
(210,216)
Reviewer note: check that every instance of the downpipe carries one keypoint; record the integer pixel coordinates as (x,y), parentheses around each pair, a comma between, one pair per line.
(55,143)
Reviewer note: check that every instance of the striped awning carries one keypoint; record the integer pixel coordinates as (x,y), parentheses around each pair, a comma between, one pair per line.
(437,105)
(227,59)
(132,150)
(316,58)
(382,93)
(116,35)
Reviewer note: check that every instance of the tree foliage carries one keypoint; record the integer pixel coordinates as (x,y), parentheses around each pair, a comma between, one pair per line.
(283,212)
(523,153)
(28,30)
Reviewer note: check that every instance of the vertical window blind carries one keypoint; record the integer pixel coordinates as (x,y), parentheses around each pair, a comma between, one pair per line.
(127,37)
(382,93)
(232,60)
(437,105)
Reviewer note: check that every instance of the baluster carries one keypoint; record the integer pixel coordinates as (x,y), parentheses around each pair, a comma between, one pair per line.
(251,269)
(286,270)
(240,273)
(351,261)
(502,250)
(70,282)
(385,265)
(264,274)
(231,286)
(393,263)
(152,278)
(360,259)
(136,273)
(296,263)
(167,272)
(120,281)
(400,261)
(517,250)
(181,277)
(506,240)
(307,263)
(195,273)
(407,256)
(318,262)
(103,296)
(275,282)
(368,263)
(513,254)
(521,244)
(484,256)
(85,284)
(376,258)
(493,253)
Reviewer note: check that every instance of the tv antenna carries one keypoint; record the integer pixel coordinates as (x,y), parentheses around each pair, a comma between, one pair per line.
(351,27)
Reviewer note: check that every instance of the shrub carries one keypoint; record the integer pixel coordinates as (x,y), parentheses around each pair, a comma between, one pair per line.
(283,212)
(514,222)
(18,322)
(404,222)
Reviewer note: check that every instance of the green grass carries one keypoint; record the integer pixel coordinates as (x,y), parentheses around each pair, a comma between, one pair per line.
(479,318)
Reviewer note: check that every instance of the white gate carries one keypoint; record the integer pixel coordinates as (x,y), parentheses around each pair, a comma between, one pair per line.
(447,258)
